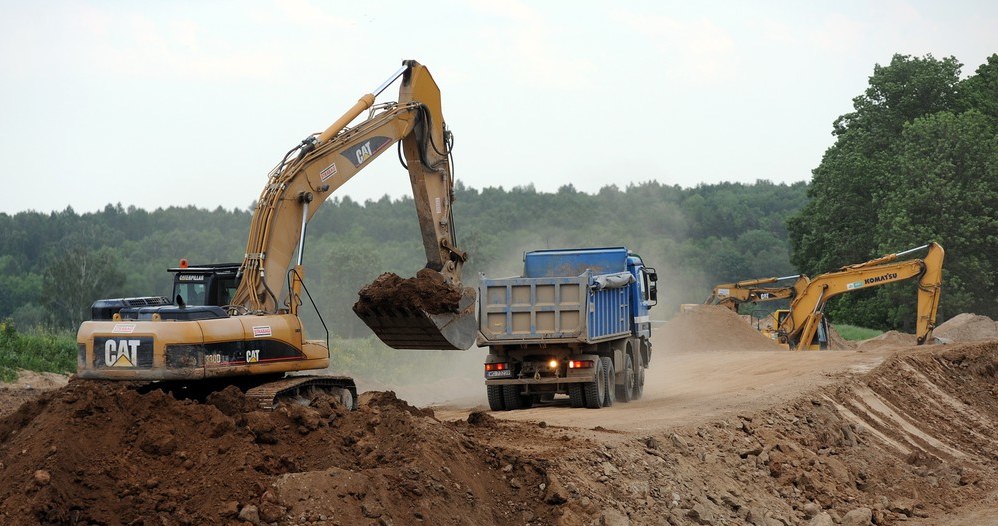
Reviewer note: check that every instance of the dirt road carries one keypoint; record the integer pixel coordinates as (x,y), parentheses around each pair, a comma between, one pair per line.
(697,387)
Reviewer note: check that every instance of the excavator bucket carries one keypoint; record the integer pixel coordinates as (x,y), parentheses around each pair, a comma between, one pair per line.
(419,313)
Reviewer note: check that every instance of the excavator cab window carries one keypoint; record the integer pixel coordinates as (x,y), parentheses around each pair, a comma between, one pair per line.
(821,336)
(190,293)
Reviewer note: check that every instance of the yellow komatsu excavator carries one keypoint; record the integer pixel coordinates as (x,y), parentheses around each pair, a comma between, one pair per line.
(798,326)
(238,323)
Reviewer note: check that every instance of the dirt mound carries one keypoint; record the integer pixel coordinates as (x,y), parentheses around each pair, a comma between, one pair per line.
(105,453)
(967,327)
(888,339)
(427,291)
(914,438)
(836,342)
(29,385)
(712,328)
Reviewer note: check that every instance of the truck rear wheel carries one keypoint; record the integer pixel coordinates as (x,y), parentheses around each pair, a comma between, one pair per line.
(610,378)
(495,393)
(625,390)
(576,395)
(639,384)
(513,399)
(595,391)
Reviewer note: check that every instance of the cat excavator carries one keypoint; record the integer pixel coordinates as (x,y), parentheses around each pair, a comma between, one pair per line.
(239,323)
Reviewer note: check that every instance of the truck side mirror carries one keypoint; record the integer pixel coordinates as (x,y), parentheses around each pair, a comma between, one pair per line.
(652,277)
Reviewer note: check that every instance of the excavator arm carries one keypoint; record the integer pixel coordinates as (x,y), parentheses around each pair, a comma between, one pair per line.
(806,310)
(312,171)
(732,295)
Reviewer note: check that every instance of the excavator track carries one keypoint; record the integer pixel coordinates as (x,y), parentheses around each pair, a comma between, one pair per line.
(269,395)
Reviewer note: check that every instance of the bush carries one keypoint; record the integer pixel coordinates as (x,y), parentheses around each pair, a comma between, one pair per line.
(35,351)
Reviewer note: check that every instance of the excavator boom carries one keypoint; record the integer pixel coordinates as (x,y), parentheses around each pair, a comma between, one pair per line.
(298,187)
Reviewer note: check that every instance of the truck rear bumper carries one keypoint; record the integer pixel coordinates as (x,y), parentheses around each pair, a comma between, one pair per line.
(537,381)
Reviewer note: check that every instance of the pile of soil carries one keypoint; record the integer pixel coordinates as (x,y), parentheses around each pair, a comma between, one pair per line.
(427,291)
(107,453)
(29,385)
(836,342)
(888,339)
(967,327)
(712,328)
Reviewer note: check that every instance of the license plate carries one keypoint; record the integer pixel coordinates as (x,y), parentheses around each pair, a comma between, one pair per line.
(499,374)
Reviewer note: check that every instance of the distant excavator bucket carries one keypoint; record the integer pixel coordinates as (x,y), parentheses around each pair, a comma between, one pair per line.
(419,313)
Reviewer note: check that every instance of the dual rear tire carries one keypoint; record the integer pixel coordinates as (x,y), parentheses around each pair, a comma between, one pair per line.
(507,398)
(600,392)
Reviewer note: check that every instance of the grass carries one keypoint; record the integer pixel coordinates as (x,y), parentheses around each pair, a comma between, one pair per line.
(853,333)
(34,350)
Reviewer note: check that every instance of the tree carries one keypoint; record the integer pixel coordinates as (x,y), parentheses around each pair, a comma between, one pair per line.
(915,162)
(74,280)
(946,189)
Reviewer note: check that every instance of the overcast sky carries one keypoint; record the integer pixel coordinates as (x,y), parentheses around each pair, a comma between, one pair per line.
(156,104)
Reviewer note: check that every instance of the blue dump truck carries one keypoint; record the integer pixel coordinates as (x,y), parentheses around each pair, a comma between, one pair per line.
(576,323)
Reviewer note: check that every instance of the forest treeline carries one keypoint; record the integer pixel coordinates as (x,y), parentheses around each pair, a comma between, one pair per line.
(54,265)
(916,161)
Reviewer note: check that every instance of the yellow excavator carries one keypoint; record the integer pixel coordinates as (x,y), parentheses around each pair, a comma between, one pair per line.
(796,327)
(804,327)
(733,295)
(239,324)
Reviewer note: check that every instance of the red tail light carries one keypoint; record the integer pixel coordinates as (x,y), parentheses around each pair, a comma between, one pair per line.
(496,366)
(580,364)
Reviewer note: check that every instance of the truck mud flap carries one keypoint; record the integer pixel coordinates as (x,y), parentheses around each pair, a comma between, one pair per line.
(408,327)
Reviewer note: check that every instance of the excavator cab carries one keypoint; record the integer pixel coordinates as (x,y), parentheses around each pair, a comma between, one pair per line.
(212,284)
(820,342)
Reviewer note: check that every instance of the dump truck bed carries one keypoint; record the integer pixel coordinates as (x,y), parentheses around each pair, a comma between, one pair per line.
(527,310)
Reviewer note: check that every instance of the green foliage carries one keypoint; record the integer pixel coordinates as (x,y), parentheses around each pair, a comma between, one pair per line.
(34,351)
(696,237)
(74,279)
(917,161)
(855,333)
